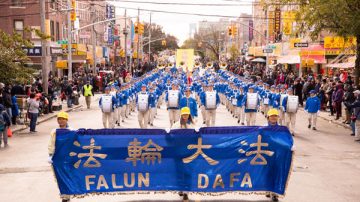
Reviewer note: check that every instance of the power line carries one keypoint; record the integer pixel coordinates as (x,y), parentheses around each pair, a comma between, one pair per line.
(177,3)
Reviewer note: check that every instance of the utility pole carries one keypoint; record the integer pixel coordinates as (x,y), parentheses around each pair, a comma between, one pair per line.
(69,41)
(126,33)
(44,49)
(93,34)
(138,41)
(150,39)
(267,43)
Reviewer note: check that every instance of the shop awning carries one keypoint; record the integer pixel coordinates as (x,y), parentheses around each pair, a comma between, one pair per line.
(348,62)
(289,59)
(258,60)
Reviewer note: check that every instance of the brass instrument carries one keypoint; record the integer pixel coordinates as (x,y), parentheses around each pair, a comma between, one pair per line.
(223,65)
(209,65)
(198,65)
(170,65)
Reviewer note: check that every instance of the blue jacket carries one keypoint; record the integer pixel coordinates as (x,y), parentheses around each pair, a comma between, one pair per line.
(191,103)
(275,100)
(124,97)
(14,107)
(5,115)
(119,99)
(152,100)
(240,98)
(313,104)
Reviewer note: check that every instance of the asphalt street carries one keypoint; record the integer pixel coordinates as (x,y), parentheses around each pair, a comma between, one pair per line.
(326,165)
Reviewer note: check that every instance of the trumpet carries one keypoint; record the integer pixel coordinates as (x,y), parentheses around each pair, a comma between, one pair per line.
(223,65)
(160,66)
(209,65)
(170,65)
(197,65)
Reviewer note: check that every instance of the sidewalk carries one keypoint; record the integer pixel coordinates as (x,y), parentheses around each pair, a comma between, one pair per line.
(46,117)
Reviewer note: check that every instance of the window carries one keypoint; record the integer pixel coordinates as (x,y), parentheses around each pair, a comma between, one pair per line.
(16,3)
(52,30)
(52,4)
(57,31)
(19,27)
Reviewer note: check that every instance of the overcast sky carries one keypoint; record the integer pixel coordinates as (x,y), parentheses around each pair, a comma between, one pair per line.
(178,25)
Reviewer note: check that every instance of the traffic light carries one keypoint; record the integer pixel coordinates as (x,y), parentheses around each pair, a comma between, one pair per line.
(234,30)
(136,27)
(141,28)
(230,31)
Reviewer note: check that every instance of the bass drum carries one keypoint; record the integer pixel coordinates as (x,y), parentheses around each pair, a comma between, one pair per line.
(252,101)
(173,98)
(292,103)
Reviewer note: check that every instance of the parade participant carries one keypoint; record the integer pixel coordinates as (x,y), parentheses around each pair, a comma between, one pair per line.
(188,101)
(233,107)
(312,107)
(88,91)
(281,111)
(275,99)
(124,102)
(266,94)
(5,122)
(62,119)
(186,121)
(107,104)
(252,103)
(173,98)
(152,104)
(118,106)
(240,105)
(289,107)
(142,101)
(273,118)
(211,101)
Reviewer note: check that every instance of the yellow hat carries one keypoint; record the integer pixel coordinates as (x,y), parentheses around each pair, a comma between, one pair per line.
(273,112)
(185,110)
(63,115)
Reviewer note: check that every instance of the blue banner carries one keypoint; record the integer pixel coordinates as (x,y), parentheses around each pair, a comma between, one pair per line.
(219,159)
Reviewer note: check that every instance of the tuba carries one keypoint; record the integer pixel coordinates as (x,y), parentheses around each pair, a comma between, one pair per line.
(209,65)
(170,65)
(197,65)
(223,65)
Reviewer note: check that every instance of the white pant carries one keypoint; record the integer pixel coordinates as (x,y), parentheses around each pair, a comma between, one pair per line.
(174,116)
(357,129)
(107,118)
(241,114)
(210,117)
(116,115)
(152,115)
(250,118)
(290,118)
(123,112)
(143,118)
(203,113)
(281,117)
(312,119)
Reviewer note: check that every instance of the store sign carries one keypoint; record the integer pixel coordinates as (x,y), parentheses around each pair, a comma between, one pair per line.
(251,30)
(339,42)
(34,51)
(339,51)
(271,26)
(277,20)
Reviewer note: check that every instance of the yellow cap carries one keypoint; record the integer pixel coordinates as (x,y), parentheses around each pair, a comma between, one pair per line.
(273,112)
(185,110)
(63,115)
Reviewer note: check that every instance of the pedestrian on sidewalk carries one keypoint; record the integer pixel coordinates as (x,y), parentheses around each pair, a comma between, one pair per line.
(4,124)
(355,117)
(62,119)
(88,91)
(33,108)
(338,98)
(14,110)
(312,107)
